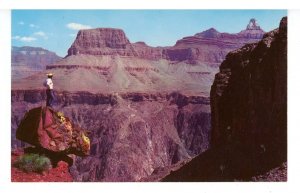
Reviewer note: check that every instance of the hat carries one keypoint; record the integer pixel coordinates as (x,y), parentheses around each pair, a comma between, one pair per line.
(49,74)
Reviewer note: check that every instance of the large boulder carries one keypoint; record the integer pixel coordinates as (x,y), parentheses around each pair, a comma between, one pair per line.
(45,128)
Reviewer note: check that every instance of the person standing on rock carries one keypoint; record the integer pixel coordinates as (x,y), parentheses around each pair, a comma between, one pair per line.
(49,85)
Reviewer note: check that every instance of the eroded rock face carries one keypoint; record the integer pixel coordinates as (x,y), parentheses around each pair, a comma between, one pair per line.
(253,30)
(249,94)
(132,135)
(249,114)
(101,41)
(147,52)
(103,60)
(26,60)
(209,46)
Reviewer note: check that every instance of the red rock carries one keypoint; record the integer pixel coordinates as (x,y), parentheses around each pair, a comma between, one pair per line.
(147,52)
(101,41)
(209,46)
(129,139)
(44,128)
(249,116)
(26,60)
(57,174)
(105,61)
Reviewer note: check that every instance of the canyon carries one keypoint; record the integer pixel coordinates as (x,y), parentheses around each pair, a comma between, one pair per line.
(131,135)
(26,60)
(146,108)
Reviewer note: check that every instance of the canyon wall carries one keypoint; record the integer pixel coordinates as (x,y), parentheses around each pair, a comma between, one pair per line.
(209,46)
(27,60)
(132,135)
(249,94)
(249,114)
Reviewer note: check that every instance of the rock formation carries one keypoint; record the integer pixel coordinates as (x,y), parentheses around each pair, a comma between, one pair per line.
(249,114)
(44,128)
(147,108)
(26,60)
(105,61)
(101,41)
(249,94)
(253,30)
(129,138)
(209,46)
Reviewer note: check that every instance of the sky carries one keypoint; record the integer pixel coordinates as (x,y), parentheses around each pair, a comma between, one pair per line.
(56,30)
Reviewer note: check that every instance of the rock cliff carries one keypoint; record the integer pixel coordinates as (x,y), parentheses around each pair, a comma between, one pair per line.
(26,60)
(132,134)
(101,41)
(209,46)
(249,114)
(249,94)
(103,60)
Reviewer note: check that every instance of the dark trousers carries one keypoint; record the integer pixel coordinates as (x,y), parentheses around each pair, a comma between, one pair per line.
(50,97)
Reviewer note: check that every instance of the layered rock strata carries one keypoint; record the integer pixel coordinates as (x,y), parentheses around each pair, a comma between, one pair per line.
(26,60)
(209,46)
(132,134)
(249,114)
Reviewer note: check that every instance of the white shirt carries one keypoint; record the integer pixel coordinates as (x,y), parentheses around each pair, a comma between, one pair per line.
(48,83)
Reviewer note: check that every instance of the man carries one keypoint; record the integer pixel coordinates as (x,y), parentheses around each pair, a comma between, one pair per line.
(50,95)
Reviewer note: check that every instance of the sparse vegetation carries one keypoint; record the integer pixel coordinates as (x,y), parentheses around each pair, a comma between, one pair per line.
(33,163)
(86,142)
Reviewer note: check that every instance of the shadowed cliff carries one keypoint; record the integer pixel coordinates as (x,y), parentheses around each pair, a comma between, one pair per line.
(249,114)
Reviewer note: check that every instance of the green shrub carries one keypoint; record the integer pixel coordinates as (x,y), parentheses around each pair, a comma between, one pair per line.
(33,163)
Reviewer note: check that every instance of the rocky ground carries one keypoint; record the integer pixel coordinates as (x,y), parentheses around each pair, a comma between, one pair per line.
(278,174)
(58,174)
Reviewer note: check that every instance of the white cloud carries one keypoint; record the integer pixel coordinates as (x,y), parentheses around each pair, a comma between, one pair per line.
(41,34)
(77,26)
(33,26)
(24,38)
(33,37)
(21,23)
(27,39)
(16,37)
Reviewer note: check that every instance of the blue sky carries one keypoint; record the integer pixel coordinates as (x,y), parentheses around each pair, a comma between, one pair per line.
(55,30)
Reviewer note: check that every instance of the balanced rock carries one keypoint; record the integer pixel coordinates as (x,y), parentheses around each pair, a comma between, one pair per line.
(45,128)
